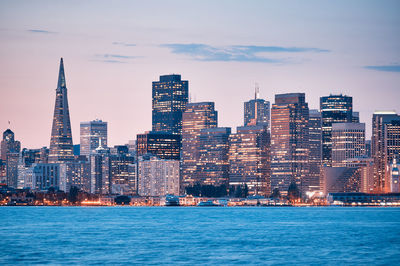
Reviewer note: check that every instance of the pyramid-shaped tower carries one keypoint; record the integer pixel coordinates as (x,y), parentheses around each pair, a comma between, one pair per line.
(61,147)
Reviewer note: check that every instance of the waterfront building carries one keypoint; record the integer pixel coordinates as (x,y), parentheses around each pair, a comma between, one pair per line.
(394,174)
(122,174)
(348,141)
(289,142)
(366,166)
(196,117)
(90,133)
(249,160)
(385,146)
(162,144)
(61,147)
(42,176)
(341,179)
(170,96)
(256,111)
(213,164)
(157,177)
(75,174)
(334,109)
(312,181)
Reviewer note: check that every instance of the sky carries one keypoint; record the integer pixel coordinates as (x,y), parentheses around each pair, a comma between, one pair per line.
(113,50)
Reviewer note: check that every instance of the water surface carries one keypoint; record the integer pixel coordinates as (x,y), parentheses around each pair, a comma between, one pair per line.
(210,235)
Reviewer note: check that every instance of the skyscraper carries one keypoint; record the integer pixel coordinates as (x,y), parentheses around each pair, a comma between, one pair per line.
(196,117)
(170,96)
(256,111)
(334,109)
(213,164)
(249,160)
(289,141)
(385,146)
(348,141)
(10,149)
(90,133)
(61,147)
(315,155)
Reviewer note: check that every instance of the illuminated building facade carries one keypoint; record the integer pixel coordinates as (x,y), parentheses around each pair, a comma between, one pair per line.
(312,181)
(256,112)
(348,141)
(42,176)
(99,171)
(394,177)
(90,133)
(334,109)
(249,159)
(61,147)
(289,142)
(75,174)
(122,174)
(162,144)
(385,146)
(170,96)
(196,117)
(9,156)
(157,177)
(342,179)
(213,164)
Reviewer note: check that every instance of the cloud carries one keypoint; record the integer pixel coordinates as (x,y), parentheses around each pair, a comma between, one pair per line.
(124,44)
(238,53)
(388,68)
(114,58)
(41,31)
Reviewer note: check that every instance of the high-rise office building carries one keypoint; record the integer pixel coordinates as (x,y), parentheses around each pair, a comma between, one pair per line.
(170,96)
(161,144)
(249,160)
(385,146)
(289,142)
(355,117)
(196,117)
(9,144)
(157,177)
(334,109)
(256,111)
(213,164)
(10,149)
(61,147)
(91,132)
(348,141)
(312,181)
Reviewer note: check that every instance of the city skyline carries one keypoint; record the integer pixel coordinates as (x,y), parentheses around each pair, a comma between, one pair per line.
(110,70)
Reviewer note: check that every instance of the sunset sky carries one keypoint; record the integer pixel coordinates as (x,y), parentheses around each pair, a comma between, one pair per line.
(113,50)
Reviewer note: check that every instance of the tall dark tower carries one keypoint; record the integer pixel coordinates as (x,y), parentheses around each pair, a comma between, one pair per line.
(170,96)
(61,148)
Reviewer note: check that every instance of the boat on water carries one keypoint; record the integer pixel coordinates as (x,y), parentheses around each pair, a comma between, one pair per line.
(171,200)
(208,203)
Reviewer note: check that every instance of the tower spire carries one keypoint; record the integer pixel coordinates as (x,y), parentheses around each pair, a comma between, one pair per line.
(61,147)
(61,76)
(256,91)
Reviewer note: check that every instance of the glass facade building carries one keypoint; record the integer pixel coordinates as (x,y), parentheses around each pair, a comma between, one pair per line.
(289,142)
(249,159)
(170,96)
(213,164)
(196,117)
(312,181)
(385,146)
(161,144)
(256,112)
(90,134)
(334,109)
